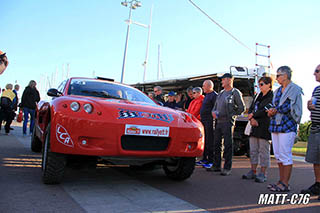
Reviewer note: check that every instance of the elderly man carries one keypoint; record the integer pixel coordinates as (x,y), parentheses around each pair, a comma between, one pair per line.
(158,96)
(189,98)
(313,150)
(207,121)
(228,106)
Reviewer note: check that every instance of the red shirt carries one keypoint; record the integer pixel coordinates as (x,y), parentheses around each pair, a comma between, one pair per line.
(195,106)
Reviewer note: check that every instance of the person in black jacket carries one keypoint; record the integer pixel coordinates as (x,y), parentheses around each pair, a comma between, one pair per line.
(29,100)
(158,96)
(260,136)
(208,124)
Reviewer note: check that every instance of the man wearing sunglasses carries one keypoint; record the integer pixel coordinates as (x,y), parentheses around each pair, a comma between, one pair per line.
(158,96)
(313,149)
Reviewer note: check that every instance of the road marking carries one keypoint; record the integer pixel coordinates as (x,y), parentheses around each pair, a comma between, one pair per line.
(116,192)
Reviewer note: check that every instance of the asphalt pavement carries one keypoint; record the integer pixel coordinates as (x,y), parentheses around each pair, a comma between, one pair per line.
(120,189)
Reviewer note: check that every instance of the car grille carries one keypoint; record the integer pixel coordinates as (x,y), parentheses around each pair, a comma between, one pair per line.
(144,143)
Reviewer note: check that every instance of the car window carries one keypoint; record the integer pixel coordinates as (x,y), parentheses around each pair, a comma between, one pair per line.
(61,86)
(103,89)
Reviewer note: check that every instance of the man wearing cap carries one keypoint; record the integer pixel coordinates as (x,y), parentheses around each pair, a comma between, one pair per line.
(3,62)
(228,105)
(171,103)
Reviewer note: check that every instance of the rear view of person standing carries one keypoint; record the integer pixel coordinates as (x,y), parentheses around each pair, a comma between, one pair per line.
(29,100)
(6,107)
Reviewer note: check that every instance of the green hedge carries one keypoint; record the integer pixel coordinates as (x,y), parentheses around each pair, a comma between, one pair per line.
(303,133)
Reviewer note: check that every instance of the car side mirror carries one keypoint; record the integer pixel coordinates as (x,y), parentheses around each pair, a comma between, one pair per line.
(54,93)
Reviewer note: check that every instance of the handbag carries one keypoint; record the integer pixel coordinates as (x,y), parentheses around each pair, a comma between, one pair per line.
(20,116)
(247,130)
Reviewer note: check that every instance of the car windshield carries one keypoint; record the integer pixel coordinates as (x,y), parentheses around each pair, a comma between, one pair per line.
(103,89)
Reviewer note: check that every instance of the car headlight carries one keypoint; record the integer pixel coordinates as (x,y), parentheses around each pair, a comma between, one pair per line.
(75,106)
(88,108)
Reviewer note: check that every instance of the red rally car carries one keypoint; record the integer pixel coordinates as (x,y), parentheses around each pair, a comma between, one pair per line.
(113,123)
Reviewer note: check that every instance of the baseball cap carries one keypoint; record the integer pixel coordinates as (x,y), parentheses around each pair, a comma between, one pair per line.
(2,53)
(226,75)
(171,93)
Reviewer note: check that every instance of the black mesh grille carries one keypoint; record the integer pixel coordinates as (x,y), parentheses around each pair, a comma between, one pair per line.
(144,143)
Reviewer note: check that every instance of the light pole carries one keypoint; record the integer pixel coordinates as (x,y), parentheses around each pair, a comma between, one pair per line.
(132,5)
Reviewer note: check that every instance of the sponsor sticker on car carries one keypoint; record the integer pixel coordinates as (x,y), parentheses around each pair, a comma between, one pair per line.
(157,131)
(63,136)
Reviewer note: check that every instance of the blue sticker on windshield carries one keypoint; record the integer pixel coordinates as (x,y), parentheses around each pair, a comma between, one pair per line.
(126,113)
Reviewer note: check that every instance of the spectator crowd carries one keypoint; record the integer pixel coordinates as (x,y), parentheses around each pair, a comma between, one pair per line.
(273,119)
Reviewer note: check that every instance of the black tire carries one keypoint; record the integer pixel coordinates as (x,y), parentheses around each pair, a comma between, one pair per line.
(181,169)
(36,145)
(53,164)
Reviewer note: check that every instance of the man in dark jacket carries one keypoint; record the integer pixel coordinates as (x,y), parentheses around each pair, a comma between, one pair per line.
(29,100)
(171,103)
(158,96)
(207,121)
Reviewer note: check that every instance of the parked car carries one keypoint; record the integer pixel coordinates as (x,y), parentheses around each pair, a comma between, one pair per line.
(103,120)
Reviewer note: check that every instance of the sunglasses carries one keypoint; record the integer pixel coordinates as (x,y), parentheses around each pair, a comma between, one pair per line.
(317,71)
(278,75)
(261,84)
(194,93)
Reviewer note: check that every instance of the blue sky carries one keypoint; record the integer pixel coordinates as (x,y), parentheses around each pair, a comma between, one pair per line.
(42,36)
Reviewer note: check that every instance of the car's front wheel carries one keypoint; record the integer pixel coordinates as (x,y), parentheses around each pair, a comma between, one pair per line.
(179,168)
(53,164)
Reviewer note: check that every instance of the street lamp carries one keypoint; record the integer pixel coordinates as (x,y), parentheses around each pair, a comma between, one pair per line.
(132,5)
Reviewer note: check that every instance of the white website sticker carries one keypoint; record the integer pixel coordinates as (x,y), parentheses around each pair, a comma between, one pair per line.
(157,131)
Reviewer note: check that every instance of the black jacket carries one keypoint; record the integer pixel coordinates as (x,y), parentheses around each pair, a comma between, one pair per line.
(260,114)
(207,106)
(30,98)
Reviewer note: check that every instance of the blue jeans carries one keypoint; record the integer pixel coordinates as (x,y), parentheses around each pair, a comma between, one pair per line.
(26,112)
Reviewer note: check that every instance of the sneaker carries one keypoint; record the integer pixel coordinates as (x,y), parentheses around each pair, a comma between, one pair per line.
(313,190)
(201,162)
(249,175)
(260,178)
(226,172)
(207,165)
